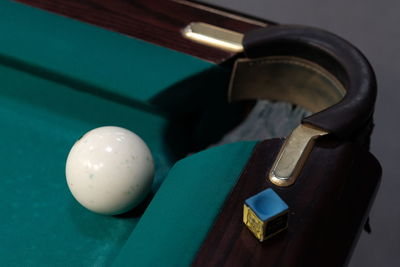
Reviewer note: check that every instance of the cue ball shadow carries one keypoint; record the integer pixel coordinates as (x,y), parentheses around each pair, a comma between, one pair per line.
(103,227)
(138,211)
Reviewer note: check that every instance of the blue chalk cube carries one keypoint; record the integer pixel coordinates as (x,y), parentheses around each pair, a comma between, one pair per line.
(265,214)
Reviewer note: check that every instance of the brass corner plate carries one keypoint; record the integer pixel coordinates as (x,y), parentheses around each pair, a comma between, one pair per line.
(293,154)
(214,36)
(285,78)
(248,81)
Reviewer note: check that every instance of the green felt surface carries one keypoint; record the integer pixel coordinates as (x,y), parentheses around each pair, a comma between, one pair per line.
(183,211)
(60,78)
(88,56)
(41,221)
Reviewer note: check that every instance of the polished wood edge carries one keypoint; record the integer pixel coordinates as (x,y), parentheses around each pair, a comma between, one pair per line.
(327,209)
(233,14)
(156,21)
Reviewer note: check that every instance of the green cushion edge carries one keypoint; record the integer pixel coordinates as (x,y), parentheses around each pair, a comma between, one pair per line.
(184,209)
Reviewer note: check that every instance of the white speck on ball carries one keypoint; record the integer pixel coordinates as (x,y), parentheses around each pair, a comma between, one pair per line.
(108,170)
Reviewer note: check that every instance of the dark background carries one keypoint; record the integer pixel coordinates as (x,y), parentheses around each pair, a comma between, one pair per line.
(373,26)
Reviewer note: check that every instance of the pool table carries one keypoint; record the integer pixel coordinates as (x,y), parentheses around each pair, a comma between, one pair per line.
(127,63)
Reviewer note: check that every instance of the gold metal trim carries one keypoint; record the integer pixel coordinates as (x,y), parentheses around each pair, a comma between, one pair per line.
(295,80)
(285,78)
(214,36)
(293,154)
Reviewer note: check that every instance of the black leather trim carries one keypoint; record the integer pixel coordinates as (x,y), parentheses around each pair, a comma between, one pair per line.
(334,54)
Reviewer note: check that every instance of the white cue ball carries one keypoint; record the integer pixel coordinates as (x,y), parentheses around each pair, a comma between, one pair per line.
(109,170)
